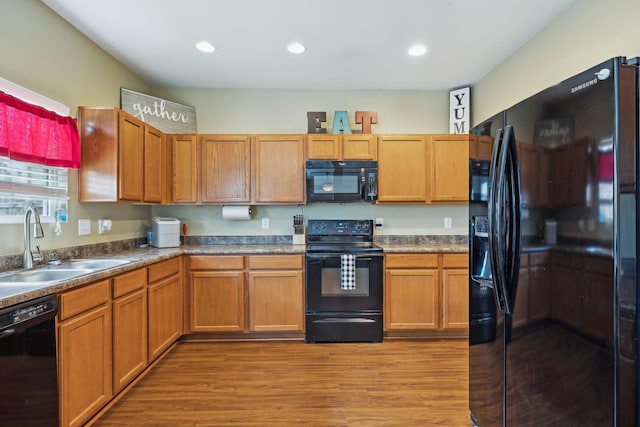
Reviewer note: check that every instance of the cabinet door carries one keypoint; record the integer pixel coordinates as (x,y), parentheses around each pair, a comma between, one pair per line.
(130,158)
(449,168)
(154,162)
(129,338)
(98,175)
(411,299)
(359,147)
(84,365)
(217,301)
(455,298)
(279,169)
(225,168)
(323,147)
(165,315)
(276,301)
(402,169)
(185,169)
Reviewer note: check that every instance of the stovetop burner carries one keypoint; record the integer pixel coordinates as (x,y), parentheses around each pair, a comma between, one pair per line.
(344,236)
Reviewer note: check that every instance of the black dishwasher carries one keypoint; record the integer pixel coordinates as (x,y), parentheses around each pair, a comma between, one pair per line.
(28,379)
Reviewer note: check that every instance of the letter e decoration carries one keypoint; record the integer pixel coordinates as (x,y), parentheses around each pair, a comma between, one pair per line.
(315,120)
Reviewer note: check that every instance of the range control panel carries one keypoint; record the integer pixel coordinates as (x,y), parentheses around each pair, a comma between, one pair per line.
(335,227)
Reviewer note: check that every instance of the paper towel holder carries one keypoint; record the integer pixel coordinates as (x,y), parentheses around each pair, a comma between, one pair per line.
(236,212)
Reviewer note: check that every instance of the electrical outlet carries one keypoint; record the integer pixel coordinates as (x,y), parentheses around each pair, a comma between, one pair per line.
(447,222)
(84,227)
(379,222)
(265,223)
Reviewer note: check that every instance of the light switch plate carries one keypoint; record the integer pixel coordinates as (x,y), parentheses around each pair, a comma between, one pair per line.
(84,227)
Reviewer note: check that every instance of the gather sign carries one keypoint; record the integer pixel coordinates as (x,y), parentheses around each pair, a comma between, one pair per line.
(166,116)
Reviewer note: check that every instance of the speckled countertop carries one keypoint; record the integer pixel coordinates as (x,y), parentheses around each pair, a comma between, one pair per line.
(141,257)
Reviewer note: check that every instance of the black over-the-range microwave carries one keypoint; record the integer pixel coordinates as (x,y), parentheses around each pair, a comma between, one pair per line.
(342,181)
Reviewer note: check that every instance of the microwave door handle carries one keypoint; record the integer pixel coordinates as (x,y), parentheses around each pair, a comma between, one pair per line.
(363,189)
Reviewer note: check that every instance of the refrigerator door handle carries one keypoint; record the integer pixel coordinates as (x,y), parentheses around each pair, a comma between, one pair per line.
(502,226)
(494,220)
(514,212)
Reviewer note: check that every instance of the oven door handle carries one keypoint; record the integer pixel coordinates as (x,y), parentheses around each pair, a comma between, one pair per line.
(337,255)
(344,320)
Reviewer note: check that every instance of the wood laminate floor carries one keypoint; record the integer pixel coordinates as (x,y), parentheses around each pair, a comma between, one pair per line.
(394,383)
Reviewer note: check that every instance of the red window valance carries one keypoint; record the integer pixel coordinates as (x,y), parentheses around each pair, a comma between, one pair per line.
(30,133)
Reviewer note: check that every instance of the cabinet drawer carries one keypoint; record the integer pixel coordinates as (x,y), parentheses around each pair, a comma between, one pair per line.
(276,262)
(129,282)
(411,260)
(164,269)
(539,258)
(80,300)
(455,261)
(215,262)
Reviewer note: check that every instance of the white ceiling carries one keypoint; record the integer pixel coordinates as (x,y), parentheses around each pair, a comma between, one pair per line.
(351,44)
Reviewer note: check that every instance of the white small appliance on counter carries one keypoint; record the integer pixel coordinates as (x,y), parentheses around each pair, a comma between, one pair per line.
(165,232)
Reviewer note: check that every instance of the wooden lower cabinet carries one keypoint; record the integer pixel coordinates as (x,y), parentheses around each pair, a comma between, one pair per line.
(276,301)
(257,293)
(426,291)
(165,315)
(129,337)
(411,299)
(84,352)
(455,291)
(217,301)
(109,332)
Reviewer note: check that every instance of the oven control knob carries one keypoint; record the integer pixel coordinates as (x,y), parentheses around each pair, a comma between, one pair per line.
(365,226)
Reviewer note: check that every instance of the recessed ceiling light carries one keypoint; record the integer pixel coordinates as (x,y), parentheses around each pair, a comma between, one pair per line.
(205,46)
(417,50)
(296,48)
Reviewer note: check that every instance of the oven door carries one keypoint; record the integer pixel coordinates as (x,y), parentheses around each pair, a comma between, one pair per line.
(324,289)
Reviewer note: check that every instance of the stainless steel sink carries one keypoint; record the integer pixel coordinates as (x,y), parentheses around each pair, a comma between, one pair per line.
(43,275)
(95,264)
(21,281)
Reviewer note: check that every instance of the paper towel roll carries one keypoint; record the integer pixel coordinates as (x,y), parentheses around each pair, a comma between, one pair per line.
(236,212)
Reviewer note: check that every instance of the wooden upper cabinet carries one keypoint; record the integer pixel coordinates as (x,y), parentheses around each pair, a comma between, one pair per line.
(449,168)
(342,147)
(155,162)
(278,169)
(359,147)
(225,168)
(402,168)
(324,147)
(185,169)
(130,158)
(97,176)
(123,159)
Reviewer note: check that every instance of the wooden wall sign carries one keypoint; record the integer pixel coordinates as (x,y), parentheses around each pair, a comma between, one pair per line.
(459,114)
(166,116)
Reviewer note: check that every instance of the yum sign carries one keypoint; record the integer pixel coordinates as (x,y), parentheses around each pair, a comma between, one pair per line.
(340,121)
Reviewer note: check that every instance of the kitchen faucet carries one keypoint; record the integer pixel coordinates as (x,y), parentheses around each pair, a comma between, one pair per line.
(38,233)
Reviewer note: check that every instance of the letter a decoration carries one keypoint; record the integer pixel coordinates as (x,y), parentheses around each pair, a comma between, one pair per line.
(341,123)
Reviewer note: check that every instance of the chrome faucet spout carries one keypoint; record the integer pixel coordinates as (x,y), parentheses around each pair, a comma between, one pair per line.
(38,233)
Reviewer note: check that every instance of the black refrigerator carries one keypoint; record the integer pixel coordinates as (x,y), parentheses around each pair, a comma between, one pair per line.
(553,289)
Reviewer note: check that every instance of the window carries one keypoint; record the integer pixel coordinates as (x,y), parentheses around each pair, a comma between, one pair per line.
(23,184)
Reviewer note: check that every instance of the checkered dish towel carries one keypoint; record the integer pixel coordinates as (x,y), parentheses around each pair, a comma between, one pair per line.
(348,272)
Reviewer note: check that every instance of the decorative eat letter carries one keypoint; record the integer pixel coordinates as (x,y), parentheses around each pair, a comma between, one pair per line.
(366,118)
(315,120)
